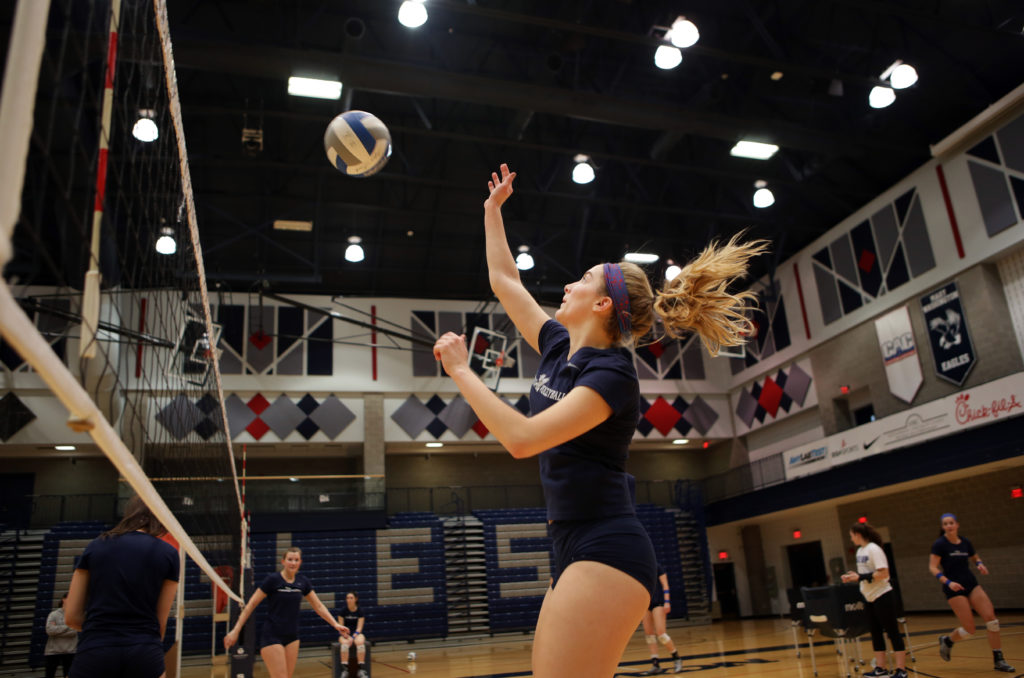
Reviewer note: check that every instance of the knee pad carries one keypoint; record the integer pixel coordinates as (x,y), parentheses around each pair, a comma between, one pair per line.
(651,640)
(963,632)
(993,626)
(664,639)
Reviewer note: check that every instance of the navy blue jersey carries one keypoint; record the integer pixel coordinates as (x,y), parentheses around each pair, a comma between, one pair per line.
(126,575)
(955,558)
(351,617)
(283,602)
(585,478)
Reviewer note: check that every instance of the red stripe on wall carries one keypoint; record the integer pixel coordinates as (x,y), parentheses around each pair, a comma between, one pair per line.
(373,340)
(949,211)
(800,295)
(142,329)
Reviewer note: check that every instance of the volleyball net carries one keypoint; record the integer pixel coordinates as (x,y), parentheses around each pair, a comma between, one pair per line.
(103,300)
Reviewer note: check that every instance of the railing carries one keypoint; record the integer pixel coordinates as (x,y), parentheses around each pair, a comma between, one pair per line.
(50,509)
(743,479)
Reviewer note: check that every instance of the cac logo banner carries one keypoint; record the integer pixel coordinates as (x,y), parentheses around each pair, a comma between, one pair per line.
(947,330)
(899,352)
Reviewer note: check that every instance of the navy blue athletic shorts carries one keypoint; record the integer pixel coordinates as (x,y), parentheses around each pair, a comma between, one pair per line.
(968,586)
(619,541)
(128,661)
(272,638)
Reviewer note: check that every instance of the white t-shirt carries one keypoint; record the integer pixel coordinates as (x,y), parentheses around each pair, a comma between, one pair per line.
(869,559)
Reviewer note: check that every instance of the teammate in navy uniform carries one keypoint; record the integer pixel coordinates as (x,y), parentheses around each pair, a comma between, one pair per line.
(950,563)
(654,626)
(873,575)
(352,617)
(584,407)
(121,593)
(279,637)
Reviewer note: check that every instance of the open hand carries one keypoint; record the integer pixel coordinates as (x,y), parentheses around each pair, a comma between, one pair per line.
(501,188)
(953,586)
(451,350)
(341,629)
(230,640)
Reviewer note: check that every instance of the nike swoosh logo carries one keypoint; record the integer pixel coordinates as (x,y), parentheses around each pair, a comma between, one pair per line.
(868,445)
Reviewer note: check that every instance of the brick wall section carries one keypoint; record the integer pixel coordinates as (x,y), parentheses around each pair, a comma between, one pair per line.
(854,359)
(988,517)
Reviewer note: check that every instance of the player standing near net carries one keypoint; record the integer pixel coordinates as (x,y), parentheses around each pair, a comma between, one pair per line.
(352,617)
(950,564)
(585,405)
(121,593)
(279,637)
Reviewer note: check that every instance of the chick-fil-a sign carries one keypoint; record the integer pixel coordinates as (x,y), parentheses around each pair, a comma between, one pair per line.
(967,413)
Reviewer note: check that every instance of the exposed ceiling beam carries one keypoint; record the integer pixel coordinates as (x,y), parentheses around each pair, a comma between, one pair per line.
(405,79)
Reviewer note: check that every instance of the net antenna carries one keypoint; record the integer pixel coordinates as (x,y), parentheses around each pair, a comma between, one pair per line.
(489,354)
(135,361)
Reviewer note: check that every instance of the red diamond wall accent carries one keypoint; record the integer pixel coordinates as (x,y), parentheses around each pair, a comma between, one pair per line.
(258,403)
(770,396)
(257,428)
(662,415)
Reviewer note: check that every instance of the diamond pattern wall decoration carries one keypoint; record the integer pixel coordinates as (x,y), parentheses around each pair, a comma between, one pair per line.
(787,391)
(14,416)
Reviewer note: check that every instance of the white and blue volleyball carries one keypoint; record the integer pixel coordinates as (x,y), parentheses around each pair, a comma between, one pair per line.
(357,143)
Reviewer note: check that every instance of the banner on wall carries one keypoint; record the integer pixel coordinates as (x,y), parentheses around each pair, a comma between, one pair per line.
(947,329)
(899,353)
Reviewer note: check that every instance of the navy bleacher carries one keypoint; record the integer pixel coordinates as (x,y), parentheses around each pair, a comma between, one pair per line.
(515,607)
(661,526)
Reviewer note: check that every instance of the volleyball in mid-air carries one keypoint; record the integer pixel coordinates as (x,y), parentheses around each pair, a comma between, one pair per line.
(357,143)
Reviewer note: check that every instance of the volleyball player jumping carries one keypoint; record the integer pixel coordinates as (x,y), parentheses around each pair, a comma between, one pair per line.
(279,637)
(585,405)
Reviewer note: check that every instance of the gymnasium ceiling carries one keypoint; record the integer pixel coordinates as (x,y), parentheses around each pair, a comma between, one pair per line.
(535,83)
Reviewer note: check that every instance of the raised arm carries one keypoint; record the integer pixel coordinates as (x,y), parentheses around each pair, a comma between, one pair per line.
(522,308)
(231,638)
(579,411)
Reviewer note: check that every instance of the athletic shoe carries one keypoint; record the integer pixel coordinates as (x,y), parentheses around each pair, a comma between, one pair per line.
(344,672)
(944,648)
(362,674)
(678,666)
(899,673)
(877,672)
(1001,665)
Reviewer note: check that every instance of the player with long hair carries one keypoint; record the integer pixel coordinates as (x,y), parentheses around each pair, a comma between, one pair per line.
(279,637)
(873,575)
(949,562)
(120,596)
(352,617)
(585,402)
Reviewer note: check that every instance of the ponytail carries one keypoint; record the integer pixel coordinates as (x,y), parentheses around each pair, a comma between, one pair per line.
(867,532)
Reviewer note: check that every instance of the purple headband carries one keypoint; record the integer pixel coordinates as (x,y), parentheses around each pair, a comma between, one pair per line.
(615,281)
(948,515)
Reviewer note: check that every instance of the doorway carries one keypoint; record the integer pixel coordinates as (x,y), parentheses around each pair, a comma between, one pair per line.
(807,564)
(725,589)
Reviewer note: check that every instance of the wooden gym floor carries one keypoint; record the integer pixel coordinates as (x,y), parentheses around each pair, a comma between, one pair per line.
(762,647)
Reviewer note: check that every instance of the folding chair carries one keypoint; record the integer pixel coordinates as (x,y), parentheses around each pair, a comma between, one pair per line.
(838,612)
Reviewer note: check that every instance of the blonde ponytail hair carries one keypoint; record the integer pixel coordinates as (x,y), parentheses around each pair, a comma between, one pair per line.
(698,299)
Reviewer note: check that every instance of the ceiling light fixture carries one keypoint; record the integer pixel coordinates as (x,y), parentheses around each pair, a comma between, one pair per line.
(583,172)
(667,57)
(900,75)
(763,197)
(435,444)
(776,75)
(680,441)
(354,251)
(683,33)
(640,257)
(412,13)
(145,128)
(524,260)
(880,97)
(672,271)
(64,448)
(753,149)
(292,225)
(166,244)
(314,87)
